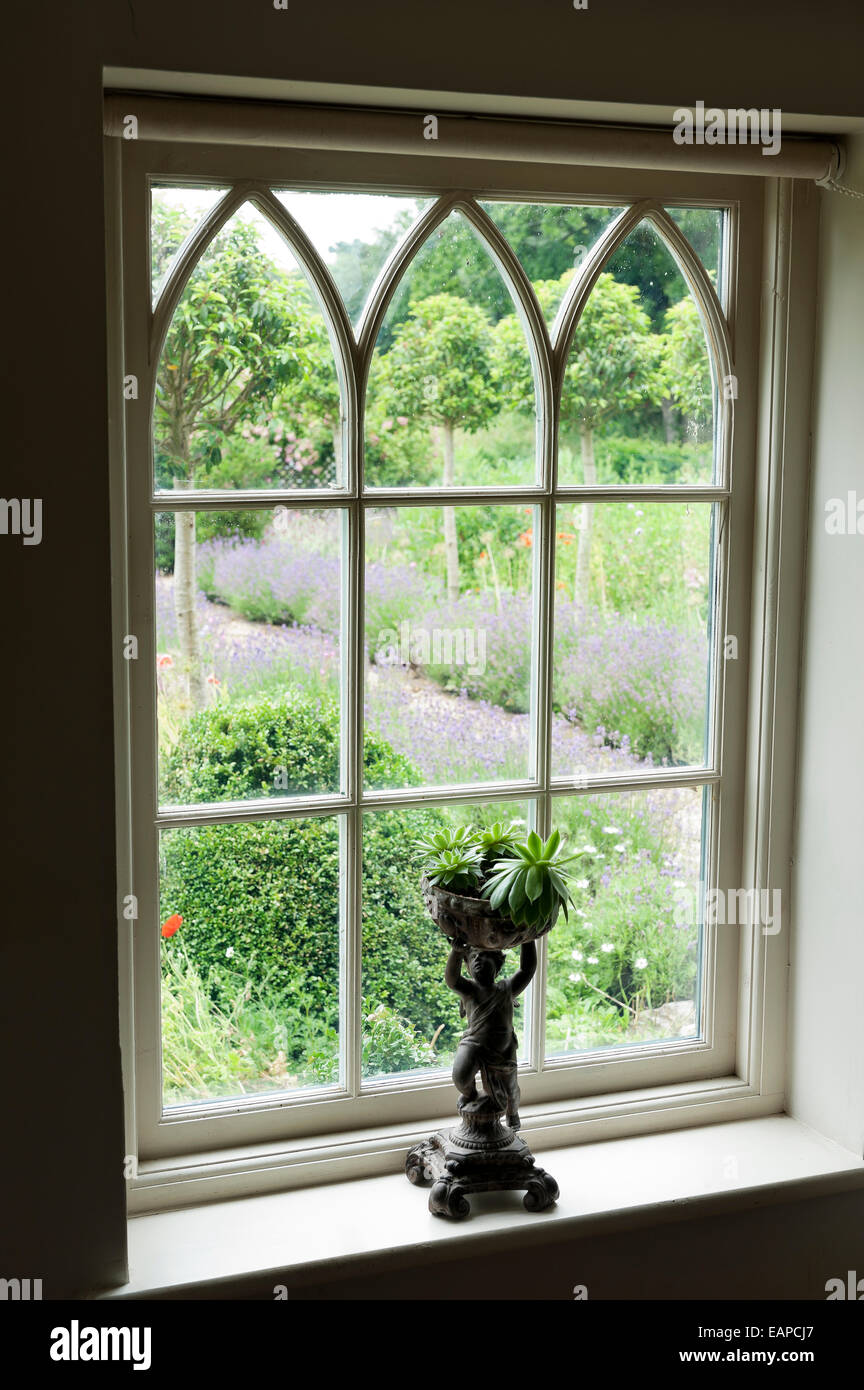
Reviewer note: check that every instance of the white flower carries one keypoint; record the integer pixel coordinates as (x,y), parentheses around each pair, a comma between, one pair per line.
(574,979)
(229,953)
(607,947)
(611,830)
(592,960)
(579,912)
(620,849)
(640,962)
(577,955)
(582,882)
(587,849)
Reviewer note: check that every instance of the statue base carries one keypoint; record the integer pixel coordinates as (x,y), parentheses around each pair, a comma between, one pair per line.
(481,1155)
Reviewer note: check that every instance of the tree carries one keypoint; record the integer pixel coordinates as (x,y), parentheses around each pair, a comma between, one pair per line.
(686,367)
(235,340)
(440,369)
(314,394)
(611,367)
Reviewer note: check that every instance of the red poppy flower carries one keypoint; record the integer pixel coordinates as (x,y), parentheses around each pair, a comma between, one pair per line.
(174,923)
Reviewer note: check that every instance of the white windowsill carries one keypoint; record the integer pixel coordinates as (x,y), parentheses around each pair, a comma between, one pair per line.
(312,1234)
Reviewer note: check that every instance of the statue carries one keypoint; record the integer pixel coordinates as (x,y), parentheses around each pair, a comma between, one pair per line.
(489,1044)
(483,1154)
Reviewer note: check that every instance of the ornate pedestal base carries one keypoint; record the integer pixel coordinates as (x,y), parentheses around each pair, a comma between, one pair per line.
(481,1155)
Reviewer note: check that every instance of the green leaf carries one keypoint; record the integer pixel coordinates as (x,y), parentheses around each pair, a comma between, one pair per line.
(534,883)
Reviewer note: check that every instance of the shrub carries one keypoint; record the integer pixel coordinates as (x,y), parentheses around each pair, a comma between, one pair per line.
(645,680)
(229,752)
(628,459)
(274,581)
(503,640)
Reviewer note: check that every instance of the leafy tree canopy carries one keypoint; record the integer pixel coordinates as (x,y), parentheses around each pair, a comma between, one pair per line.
(440,365)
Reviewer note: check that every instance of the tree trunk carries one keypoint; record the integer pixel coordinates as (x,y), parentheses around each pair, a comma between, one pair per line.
(667,410)
(185,595)
(451,543)
(583,558)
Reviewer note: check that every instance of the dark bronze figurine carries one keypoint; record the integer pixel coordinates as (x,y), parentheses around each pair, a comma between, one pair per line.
(489,1044)
(485,1153)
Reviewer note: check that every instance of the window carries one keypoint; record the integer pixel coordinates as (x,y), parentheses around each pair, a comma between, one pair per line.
(433,512)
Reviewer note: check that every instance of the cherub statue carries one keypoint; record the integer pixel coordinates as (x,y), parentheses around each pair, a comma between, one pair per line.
(489,1043)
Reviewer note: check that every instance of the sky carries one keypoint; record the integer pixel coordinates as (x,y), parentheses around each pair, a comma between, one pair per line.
(326,218)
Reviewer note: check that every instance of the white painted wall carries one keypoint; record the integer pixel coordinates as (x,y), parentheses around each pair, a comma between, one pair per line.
(826,1085)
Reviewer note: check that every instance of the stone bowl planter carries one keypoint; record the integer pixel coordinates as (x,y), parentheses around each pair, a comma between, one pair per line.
(471,922)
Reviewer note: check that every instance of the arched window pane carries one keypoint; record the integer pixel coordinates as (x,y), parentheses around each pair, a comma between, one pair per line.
(637,404)
(451,397)
(247,394)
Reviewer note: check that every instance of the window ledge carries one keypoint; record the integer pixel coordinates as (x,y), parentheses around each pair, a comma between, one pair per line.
(313,1234)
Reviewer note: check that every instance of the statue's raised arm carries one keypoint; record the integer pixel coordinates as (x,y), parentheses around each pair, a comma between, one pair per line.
(453,976)
(527,969)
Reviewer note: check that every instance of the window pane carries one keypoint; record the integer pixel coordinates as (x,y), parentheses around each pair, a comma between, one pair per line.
(449,644)
(353,233)
(411,1018)
(703,228)
(174,213)
(451,396)
(637,405)
(250,958)
(632,624)
(247,393)
(552,241)
(625,967)
(248,614)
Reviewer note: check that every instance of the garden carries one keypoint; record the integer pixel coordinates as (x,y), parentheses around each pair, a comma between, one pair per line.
(251,635)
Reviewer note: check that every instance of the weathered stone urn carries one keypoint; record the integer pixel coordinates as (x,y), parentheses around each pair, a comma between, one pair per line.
(473,923)
(485,1152)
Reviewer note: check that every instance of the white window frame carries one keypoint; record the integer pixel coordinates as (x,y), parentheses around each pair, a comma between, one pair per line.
(736,1067)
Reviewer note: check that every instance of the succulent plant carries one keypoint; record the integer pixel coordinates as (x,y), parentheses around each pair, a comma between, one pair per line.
(525,880)
(531,886)
(458,869)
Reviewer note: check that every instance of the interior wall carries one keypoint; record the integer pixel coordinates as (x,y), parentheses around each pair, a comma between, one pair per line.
(62,1188)
(827,1055)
